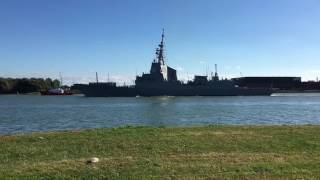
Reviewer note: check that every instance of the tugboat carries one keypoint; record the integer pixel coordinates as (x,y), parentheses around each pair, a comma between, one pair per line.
(61,91)
(162,81)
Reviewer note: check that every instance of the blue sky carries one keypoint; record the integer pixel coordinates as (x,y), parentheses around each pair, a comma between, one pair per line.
(41,38)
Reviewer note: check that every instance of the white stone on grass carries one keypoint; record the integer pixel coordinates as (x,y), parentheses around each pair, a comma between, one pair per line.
(93,160)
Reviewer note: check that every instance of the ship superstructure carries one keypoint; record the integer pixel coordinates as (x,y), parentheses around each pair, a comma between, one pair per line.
(159,71)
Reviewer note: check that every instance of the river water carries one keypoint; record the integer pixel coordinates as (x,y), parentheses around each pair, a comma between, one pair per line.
(32,113)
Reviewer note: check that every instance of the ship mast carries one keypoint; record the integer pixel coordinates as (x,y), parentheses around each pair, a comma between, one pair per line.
(61,83)
(216,77)
(97,80)
(160,50)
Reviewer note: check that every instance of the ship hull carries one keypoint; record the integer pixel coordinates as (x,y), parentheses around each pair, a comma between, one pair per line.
(46,93)
(171,90)
(92,91)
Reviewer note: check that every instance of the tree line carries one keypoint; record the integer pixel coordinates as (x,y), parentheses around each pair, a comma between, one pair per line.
(27,85)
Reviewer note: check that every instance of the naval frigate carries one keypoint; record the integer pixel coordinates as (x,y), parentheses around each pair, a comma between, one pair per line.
(162,81)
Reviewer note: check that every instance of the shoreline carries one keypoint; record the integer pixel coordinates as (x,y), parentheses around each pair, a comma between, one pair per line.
(158,127)
(216,151)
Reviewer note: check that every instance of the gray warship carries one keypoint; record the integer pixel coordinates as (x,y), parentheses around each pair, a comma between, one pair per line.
(162,81)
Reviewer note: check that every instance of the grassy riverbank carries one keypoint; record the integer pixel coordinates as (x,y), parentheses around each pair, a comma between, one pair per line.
(215,151)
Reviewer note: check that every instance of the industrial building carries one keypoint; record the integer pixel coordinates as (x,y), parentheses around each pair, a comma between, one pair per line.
(282,83)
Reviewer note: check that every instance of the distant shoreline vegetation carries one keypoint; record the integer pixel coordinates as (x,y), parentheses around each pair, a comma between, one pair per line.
(27,85)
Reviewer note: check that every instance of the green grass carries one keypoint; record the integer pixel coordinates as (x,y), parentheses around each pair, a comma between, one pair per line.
(245,152)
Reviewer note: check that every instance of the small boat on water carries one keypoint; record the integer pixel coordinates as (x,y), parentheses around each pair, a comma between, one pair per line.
(56,92)
(61,91)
